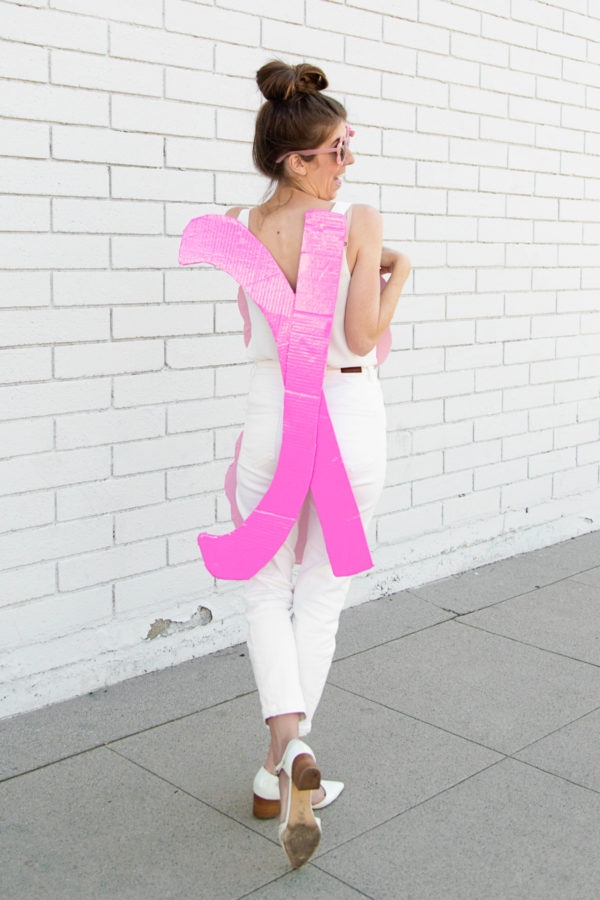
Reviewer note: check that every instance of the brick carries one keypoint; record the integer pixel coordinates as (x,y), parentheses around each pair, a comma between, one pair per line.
(108,358)
(500,473)
(203,351)
(442,487)
(554,326)
(443,384)
(107,288)
(232,379)
(560,44)
(238,189)
(25,365)
(588,453)
(30,139)
(527,397)
(159,46)
(363,23)
(553,416)
(183,84)
(194,153)
(25,251)
(228,319)
(160,184)
(52,617)
(105,73)
(161,387)
(52,103)
(162,116)
(49,27)
(33,545)
(530,303)
(412,362)
(552,461)
(528,351)
(434,228)
(107,145)
(492,377)
(24,213)
(51,177)
(500,425)
(481,453)
(555,279)
(18,438)
(507,81)
(27,583)
(116,562)
(225,439)
(180,318)
(526,444)
(110,495)
(473,357)
(417,35)
(23,61)
(505,329)
(233,124)
(23,401)
(409,145)
(440,437)
(475,307)
(554,370)
(471,406)
(219,24)
(148,13)
(164,518)
(210,413)
(402,525)
(577,481)
(107,216)
(53,326)
(300,40)
(477,505)
(526,493)
(26,510)
(441,334)
(49,469)
(581,433)
(186,581)
(162,453)
(197,479)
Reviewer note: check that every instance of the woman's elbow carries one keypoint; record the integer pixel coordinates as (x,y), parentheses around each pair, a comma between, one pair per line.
(360,345)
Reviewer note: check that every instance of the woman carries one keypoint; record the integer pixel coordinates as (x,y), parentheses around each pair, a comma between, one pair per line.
(302,143)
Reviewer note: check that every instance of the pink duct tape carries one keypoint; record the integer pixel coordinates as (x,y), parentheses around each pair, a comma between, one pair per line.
(309,455)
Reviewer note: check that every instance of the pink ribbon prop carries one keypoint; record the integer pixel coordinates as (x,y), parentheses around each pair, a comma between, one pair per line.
(309,455)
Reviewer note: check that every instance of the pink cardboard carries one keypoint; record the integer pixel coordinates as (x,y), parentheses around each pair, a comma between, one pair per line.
(309,457)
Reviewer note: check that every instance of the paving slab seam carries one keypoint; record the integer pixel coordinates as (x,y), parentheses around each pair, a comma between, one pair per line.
(308,865)
(397,638)
(403,811)
(508,637)
(193,796)
(556,730)
(540,768)
(408,715)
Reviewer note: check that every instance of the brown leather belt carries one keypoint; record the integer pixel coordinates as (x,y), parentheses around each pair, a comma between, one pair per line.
(351,369)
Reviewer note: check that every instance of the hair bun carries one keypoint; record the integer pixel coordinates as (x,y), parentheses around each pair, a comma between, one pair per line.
(279,81)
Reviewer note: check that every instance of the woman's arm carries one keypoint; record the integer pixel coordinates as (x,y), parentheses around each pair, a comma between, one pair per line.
(369,310)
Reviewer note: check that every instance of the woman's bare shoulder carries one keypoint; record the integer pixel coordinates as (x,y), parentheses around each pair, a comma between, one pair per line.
(365,216)
(234,211)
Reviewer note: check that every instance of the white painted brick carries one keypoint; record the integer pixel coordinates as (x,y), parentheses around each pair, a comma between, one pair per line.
(25,365)
(210,413)
(529,351)
(162,453)
(412,362)
(77,142)
(441,334)
(441,436)
(405,524)
(159,46)
(164,518)
(152,252)
(300,40)
(525,444)
(443,384)
(588,409)
(162,116)
(426,412)
(109,496)
(554,370)
(27,176)
(472,405)
(147,13)
(577,346)
(17,438)
(475,307)
(527,397)
(394,498)
(234,124)
(414,89)
(25,511)
(22,401)
(552,461)
(236,189)
(398,444)
(375,169)
(582,433)
(434,228)
(561,44)
(173,582)
(559,138)
(500,473)
(554,326)
(225,439)
(494,129)
(492,377)
(183,84)
(442,486)
(588,453)
(26,251)
(177,216)
(174,318)
(219,24)
(42,470)
(160,184)
(27,583)
(22,61)
(292,11)
(107,216)
(52,541)
(456,18)
(473,357)
(108,358)
(553,416)
(204,351)
(105,73)
(160,387)
(408,145)
(182,548)
(362,23)
(193,153)
(416,309)
(396,392)
(526,493)
(507,81)
(52,28)
(500,425)
(416,34)
(412,468)
(478,505)
(232,380)
(577,481)
(24,213)
(556,278)
(480,453)
(590,323)
(116,562)
(197,479)
(33,623)
(228,318)
(523,303)
(53,103)
(52,326)
(28,139)
(416,200)
(589,367)
(505,329)
(107,288)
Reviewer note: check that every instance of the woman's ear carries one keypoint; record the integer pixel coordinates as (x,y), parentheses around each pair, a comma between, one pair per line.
(296,165)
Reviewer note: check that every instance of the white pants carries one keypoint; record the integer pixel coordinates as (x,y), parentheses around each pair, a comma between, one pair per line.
(292,628)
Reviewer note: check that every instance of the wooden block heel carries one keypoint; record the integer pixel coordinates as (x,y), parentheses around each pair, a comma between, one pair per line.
(305,774)
(265,809)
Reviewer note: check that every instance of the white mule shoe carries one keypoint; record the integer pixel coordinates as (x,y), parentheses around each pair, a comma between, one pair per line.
(265,804)
(300,831)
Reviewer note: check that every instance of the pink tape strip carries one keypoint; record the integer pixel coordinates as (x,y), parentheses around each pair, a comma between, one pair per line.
(309,456)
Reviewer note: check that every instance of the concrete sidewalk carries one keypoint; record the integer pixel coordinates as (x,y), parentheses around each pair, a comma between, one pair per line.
(463,716)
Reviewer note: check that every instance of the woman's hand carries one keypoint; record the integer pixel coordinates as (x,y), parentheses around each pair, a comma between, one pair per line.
(391,259)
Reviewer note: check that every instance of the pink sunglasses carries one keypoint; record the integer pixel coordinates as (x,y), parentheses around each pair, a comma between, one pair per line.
(340,150)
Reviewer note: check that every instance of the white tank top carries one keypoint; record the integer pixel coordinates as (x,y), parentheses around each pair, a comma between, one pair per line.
(262,343)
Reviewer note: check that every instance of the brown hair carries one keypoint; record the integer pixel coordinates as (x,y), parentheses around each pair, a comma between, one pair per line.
(295,116)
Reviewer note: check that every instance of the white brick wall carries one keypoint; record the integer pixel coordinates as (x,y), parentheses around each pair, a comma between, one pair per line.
(123,376)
